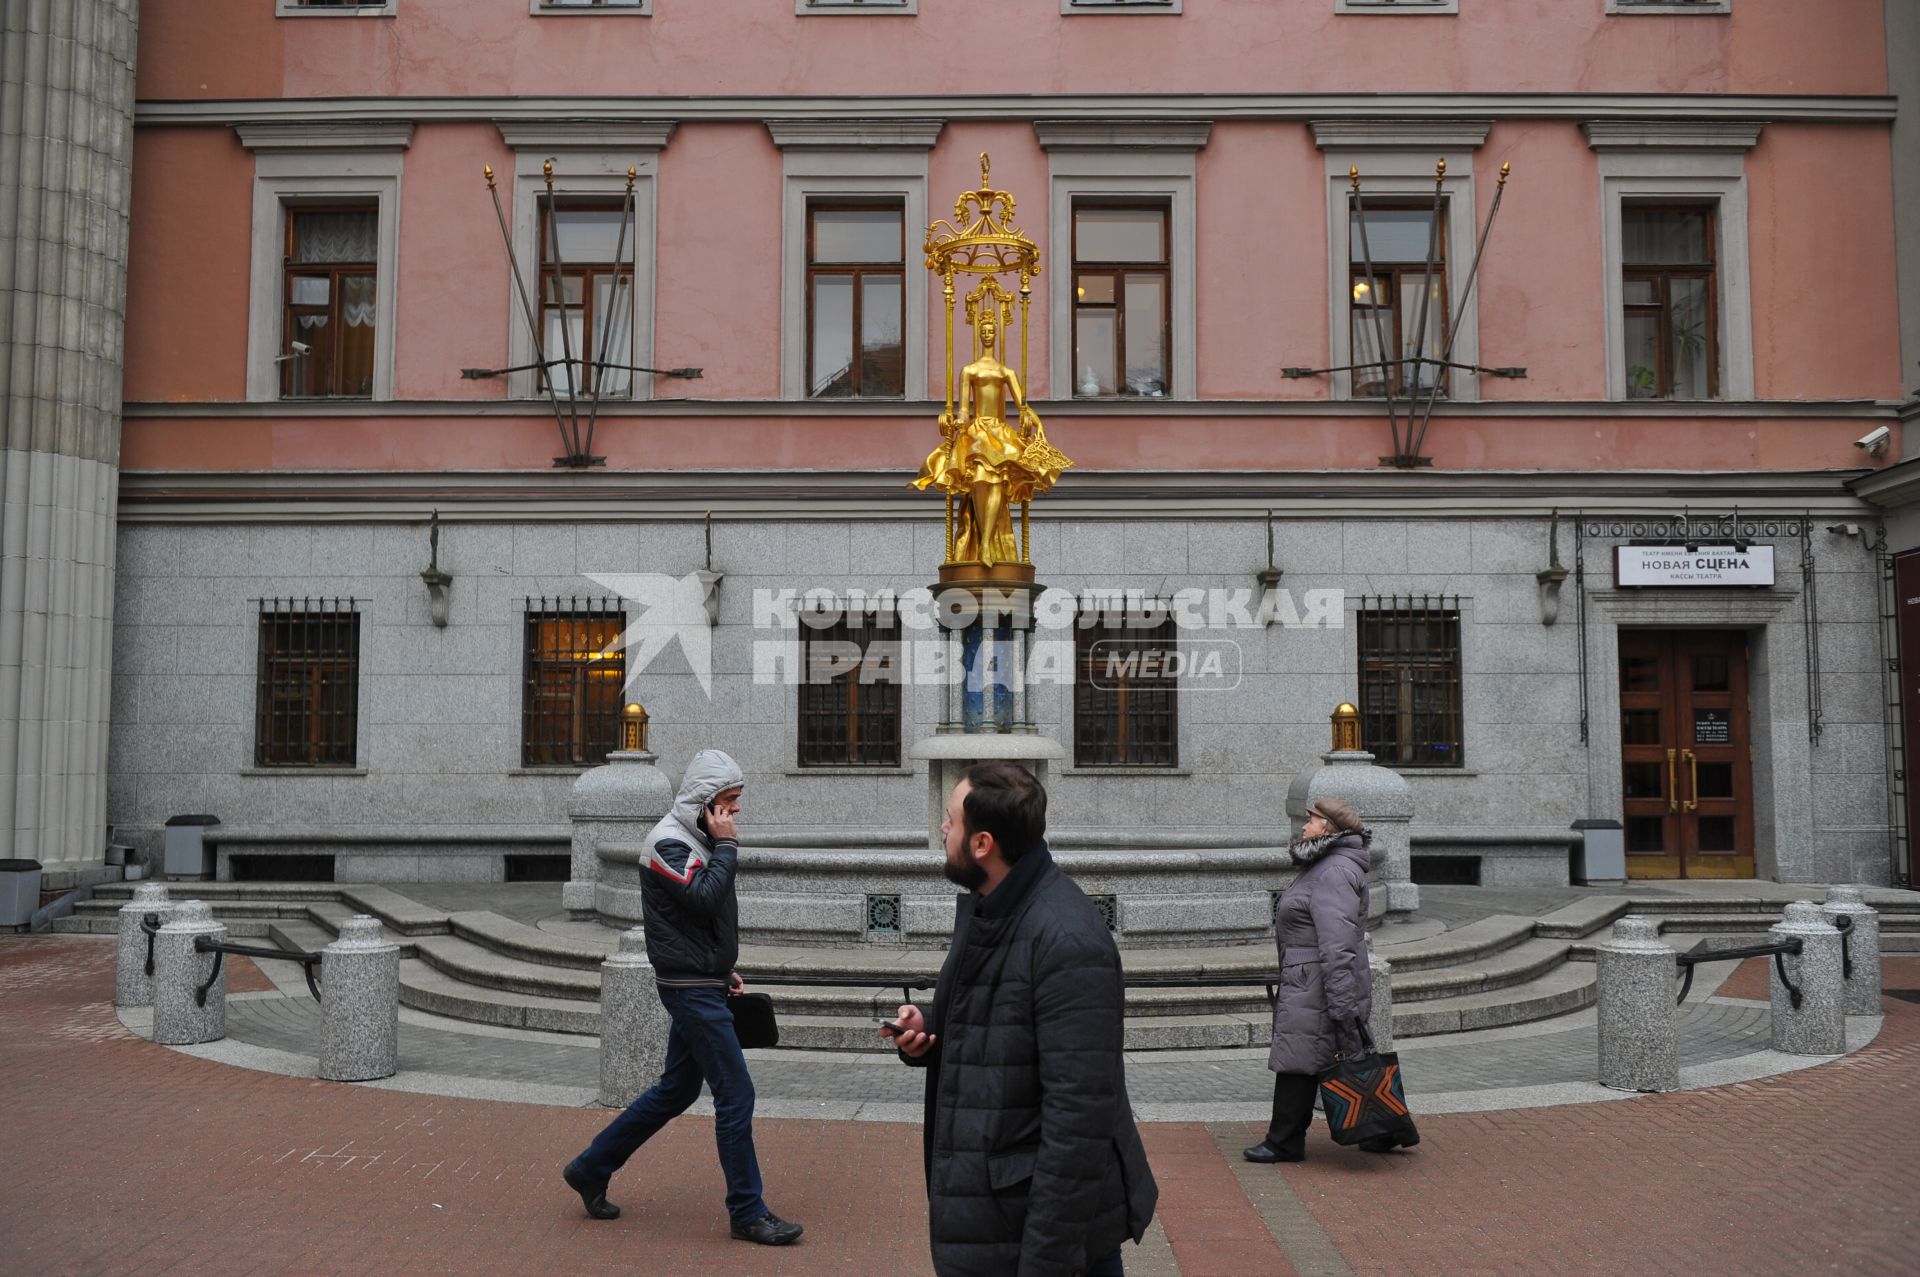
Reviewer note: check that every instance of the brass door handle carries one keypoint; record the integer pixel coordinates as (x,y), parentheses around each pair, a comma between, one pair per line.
(1673,782)
(1693,781)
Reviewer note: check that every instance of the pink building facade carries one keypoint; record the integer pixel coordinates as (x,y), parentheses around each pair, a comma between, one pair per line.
(1611,596)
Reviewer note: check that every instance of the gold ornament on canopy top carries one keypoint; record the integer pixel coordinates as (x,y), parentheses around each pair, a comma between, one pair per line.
(986,465)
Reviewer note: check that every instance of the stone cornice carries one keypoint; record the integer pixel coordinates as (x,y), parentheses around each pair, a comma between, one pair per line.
(927,410)
(586,135)
(1672,135)
(548,495)
(1122,135)
(325,135)
(878,133)
(1305,107)
(1399,135)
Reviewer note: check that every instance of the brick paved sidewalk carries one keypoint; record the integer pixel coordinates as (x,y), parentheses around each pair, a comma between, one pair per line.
(120,1156)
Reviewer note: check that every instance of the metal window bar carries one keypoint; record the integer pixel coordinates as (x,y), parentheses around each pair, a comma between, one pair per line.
(851,717)
(1125,716)
(1410,707)
(307,688)
(575,681)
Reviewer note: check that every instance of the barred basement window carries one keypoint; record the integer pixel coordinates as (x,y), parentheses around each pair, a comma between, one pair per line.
(1410,681)
(883,915)
(1108,907)
(575,679)
(850,697)
(307,702)
(1125,701)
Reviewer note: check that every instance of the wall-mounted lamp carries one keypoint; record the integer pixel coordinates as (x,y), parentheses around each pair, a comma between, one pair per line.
(633,728)
(1269,576)
(710,579)
(1553,576)
(438,582)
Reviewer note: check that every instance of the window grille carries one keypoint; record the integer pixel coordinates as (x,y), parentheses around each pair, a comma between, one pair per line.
(1125,702)
(1410,681)
(850,696)
(307,700)
(1108,908)
(575,682)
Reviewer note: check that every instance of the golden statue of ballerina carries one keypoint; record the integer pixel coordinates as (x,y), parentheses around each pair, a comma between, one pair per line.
(988,461)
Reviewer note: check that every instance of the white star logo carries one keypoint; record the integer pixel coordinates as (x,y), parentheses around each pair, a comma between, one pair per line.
(668,608)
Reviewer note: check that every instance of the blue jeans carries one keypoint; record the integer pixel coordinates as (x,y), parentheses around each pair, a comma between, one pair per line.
(700,1046)
(1106,1267)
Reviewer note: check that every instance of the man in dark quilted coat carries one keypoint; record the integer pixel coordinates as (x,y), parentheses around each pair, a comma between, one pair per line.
(1034,1167)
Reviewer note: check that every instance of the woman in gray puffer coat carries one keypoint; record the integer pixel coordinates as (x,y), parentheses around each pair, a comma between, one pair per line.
(1325,986)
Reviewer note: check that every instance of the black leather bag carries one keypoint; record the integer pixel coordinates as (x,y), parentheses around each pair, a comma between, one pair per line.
(753,1021)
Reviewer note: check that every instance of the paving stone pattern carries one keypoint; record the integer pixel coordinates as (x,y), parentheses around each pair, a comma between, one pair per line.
(121,1156)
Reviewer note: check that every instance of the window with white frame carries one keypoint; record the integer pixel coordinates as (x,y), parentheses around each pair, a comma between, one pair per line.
(805,7)
(333,8)
(1678,298)
(595,257)
(1120,6)
(325,240)
(1694,7)
(1121,211)
(1396,6)
(1400,308)
(637,8)
(853,317)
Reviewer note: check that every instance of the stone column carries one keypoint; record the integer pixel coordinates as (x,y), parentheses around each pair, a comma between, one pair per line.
(178,972)
(132,986)
(1380,1019)
(1819,1026)
(1639,1026)
(620,801)
(66,146)
(633,1024)
(360,1004)
(1862,945)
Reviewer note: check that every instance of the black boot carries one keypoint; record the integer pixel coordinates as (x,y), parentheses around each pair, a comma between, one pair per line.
(593,1196)
(1264,1153)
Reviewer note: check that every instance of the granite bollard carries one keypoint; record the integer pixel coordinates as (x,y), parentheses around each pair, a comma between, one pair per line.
(1819,1025)
(178,972)
(1380,1019)
(360,1004)
(633,1024)
(132,986)
(1639,1024)
(1862,946)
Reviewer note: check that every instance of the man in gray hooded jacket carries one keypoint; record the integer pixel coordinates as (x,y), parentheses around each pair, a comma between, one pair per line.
(693,941)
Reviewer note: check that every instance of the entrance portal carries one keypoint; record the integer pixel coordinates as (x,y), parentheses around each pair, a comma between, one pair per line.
(1684,746)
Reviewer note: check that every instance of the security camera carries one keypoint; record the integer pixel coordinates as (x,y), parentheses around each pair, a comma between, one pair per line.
(1875,441)
(1844,529)
(299,348)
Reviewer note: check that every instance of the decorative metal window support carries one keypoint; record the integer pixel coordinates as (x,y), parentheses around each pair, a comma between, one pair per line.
(1406,446)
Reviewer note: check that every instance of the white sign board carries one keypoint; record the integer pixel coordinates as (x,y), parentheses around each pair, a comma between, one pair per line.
(1714,565)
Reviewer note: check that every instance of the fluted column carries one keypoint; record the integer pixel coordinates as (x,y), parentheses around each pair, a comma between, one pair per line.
(66,150)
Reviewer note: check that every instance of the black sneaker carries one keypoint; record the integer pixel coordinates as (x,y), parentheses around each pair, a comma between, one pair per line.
(768,1230)
(1265,1153)
(593,1196)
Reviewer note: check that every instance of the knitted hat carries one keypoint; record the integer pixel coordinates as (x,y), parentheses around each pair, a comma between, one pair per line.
(1337,814)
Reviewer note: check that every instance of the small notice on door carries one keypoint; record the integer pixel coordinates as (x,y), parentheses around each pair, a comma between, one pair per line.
(1712,727)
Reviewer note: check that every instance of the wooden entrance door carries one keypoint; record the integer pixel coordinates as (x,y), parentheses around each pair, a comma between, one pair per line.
(1684,749)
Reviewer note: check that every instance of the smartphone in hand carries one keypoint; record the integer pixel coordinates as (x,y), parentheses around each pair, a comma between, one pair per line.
(891,1028)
